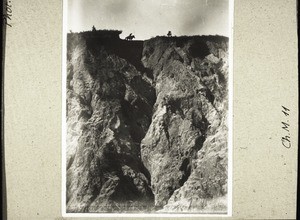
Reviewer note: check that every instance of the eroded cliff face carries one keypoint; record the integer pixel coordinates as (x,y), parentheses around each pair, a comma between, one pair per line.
(147,124)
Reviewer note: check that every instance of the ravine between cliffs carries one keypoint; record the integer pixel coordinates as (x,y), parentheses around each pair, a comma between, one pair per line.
(146,124)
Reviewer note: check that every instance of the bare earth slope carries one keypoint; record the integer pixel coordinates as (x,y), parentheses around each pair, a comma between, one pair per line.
(147,124)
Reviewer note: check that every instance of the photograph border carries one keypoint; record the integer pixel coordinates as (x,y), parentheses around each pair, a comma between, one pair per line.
(229,121)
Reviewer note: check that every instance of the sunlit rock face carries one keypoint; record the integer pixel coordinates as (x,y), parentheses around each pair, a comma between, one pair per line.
(147,124)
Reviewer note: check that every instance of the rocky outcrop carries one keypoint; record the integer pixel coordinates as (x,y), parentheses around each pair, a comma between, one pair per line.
(185,147)
(147,124)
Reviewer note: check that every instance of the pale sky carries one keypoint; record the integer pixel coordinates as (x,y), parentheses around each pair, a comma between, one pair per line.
(149,18)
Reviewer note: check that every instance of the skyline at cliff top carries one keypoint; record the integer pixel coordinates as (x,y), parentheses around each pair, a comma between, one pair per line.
(149,18)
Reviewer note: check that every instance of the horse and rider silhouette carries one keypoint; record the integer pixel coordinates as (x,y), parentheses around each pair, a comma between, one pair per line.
(129,37)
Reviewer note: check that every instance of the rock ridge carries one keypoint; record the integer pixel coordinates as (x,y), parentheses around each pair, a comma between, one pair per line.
(147,124)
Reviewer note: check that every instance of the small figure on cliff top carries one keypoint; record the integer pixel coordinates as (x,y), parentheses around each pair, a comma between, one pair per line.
(169,34)
(93,29)
(129,37)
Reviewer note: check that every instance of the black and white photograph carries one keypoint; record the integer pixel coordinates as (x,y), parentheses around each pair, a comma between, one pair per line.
(147,107)
(155,109)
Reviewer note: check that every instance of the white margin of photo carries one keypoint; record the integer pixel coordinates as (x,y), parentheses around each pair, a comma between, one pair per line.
(64,110)
(229,121)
